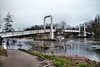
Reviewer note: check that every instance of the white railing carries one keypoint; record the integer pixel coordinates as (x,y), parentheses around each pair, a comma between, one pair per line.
(71,30)
(19,33)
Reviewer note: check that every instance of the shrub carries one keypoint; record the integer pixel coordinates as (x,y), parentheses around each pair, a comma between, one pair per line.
(2,51)
(82,65)
(58,64)
(76,62)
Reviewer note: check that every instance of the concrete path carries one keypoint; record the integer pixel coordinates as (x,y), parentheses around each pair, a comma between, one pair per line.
(18,58)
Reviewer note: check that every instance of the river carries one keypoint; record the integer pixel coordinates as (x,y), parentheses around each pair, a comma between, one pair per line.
(88,47)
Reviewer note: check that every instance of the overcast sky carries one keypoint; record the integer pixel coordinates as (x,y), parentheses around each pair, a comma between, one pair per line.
(31,12)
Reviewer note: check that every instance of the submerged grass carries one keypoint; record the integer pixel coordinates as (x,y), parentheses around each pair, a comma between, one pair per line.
(59,61)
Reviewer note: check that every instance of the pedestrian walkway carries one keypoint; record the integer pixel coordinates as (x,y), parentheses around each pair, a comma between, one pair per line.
(18,58)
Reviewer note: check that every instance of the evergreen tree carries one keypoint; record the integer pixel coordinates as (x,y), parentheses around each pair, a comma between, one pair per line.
(8,24)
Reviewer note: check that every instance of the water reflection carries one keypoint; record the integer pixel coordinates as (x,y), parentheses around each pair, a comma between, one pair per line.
(82,47)
(16,44)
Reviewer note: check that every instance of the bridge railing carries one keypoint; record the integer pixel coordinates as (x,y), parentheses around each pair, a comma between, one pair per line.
(70,30)
(19,33)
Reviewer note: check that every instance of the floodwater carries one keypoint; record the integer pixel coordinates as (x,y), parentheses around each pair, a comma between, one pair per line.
(81,46)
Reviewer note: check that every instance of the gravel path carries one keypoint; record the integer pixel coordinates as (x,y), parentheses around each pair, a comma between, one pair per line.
(18,58)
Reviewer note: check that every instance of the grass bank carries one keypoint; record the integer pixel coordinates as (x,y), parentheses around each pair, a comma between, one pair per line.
(3,51)
(62,61)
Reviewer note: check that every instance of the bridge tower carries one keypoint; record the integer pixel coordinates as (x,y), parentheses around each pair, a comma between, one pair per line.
(83,31)
(51,26)
(79,31)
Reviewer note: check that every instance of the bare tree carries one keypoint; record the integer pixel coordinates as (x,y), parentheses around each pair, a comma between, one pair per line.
(0,21)
(62,24)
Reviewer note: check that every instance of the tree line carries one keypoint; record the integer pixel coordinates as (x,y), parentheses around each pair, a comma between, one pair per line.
(93,26)
(59,25)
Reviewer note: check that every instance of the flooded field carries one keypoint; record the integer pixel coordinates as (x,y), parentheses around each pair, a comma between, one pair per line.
(82,47)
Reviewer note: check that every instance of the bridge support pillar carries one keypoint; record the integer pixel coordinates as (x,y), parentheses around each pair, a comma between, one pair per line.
(84,30)
(51,27)
(79,31)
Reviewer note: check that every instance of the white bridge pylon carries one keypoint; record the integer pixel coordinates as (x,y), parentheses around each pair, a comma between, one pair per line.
(84,29)
(51,26)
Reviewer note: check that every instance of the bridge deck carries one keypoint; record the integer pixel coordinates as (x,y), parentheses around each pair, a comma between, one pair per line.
(19,33)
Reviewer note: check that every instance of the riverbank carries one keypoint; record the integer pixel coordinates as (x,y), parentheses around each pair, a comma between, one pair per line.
(3,51)
(17,58)
(66,61)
